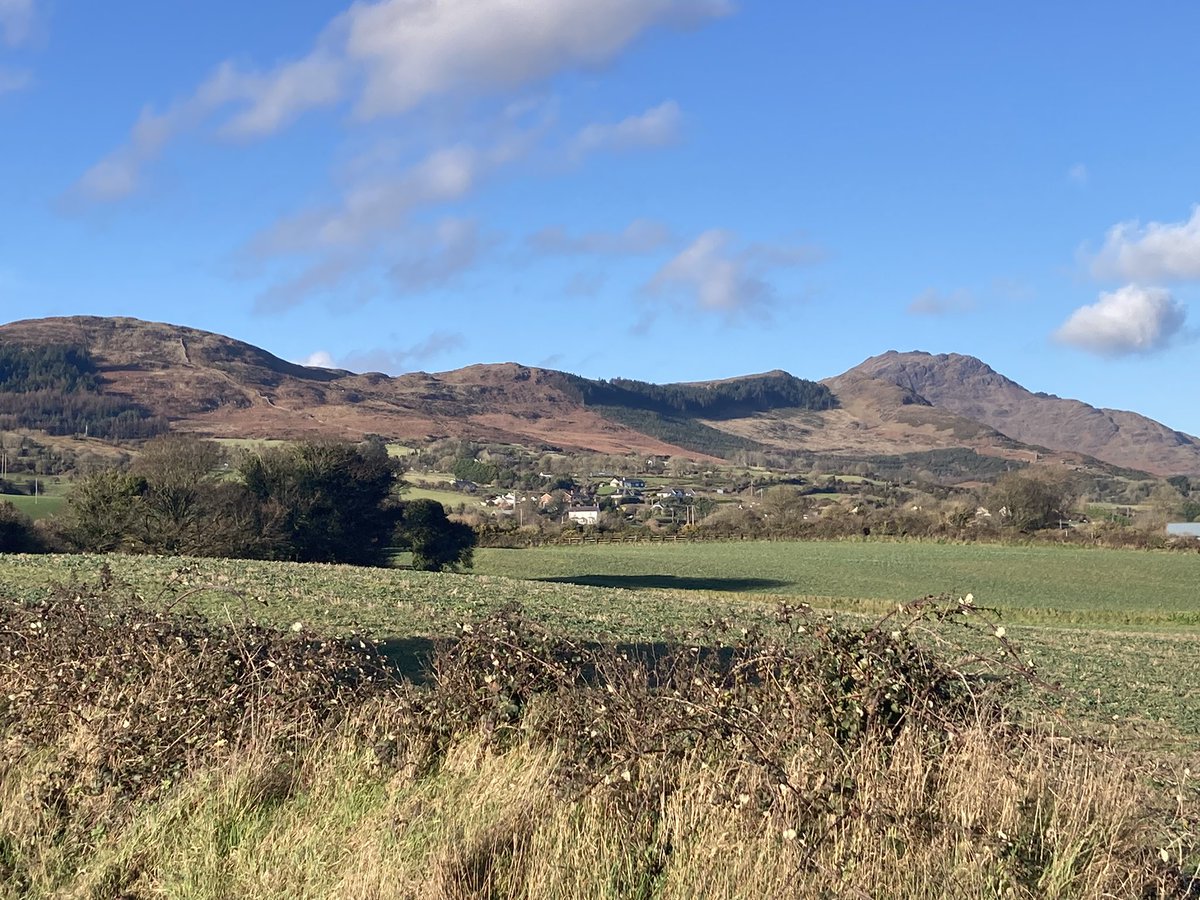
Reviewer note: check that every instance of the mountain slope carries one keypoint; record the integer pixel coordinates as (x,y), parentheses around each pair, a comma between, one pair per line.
(152,373)
(218,386)
(965,386)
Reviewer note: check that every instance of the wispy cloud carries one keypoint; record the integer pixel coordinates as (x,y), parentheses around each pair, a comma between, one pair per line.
(388,57)
(1078,175)
(937,303)
(656,127)
(16,21)
(398,360)
(379,204)
(638,237)
(328,273)
(411,50)
(1156,251)
(371,224)
(717,276)
(452,247)
(390,360)
(16,28)
(1129,321)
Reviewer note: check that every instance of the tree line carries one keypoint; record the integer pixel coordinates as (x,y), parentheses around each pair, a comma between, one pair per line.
(56,389)
(726,399)
(315,501)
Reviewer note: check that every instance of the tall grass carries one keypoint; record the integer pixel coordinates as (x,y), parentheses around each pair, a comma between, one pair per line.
(978,817)
(838,764)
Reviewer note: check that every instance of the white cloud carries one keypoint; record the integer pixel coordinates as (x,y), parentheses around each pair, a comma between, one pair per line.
(326,274)
(655,127)
(371,224)
(413,50)
(117,175)
(278,98)
(719,279)
(1132,320)
(639,236)
(453,247)
(16,21)
(321,359)
(390,56)
(13,80)
(1154,252)
(379,205)
(397,360)
(936,303)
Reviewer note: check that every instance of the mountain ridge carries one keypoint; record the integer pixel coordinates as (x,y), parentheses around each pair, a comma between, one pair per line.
(969,387)
(890,403)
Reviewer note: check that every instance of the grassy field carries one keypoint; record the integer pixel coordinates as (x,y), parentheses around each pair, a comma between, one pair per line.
(1116,628)
(52,494)
(1040,585)
(36,507)
(449,499)
(1094,798)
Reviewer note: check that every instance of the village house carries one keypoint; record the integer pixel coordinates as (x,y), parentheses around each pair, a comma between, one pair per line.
(584,515)
(628,484)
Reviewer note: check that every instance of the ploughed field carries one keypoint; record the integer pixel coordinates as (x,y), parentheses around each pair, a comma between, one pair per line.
(1119,629)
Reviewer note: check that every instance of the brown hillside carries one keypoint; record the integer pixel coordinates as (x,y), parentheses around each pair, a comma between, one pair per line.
(873,417)
(968,387)
(214,385)
(894,403)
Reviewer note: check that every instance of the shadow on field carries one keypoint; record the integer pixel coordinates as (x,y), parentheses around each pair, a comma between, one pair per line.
(670,582)
(411,656)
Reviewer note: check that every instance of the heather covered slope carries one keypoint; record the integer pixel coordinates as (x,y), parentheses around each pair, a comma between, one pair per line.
(968,387)
(215,385)
(891,404)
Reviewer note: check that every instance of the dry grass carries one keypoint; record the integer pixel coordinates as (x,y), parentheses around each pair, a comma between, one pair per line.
(981,818)
(854,765)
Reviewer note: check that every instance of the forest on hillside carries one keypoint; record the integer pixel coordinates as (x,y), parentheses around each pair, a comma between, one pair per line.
(717,400)
(57,389)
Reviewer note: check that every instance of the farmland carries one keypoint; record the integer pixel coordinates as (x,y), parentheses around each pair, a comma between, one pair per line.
(1119,629)
(1037,585)
(49,500)
(1093,786)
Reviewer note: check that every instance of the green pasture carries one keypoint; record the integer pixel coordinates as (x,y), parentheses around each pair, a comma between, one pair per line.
(36,507)
(449,499)
(1032,584)
(52,494)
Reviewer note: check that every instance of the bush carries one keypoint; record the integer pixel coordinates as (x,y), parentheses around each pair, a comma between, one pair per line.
(17,532)
(434,540)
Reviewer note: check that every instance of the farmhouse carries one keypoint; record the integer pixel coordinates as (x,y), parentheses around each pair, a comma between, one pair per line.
(584,515)
(628,484)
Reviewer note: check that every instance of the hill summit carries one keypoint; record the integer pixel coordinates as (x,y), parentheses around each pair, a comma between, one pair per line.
(151,375)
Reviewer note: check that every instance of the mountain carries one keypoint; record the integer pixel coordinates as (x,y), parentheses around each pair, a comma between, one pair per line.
(967,387)
(125,378)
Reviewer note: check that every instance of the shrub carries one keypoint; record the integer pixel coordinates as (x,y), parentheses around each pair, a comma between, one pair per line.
(17,532)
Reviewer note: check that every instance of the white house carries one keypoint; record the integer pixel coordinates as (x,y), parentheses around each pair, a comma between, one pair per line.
(584,515)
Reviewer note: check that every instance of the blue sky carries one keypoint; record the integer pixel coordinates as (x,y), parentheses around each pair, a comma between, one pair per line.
(656,189)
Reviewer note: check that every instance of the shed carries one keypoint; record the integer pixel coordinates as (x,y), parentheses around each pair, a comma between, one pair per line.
(1184,529)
